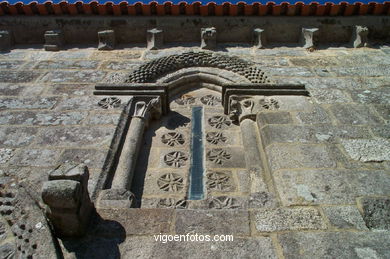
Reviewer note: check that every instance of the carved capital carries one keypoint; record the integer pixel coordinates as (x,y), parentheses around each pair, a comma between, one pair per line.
(246,107)
(147,107)
(241,107)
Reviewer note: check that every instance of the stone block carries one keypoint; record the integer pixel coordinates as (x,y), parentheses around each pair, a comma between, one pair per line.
(6,40)
(231,222)
(116,198)
(309,37)
(146,247)
(329,186)
(383,111)
(67,64)
(17,137)
(355,114)
(372,96)
(154,38)
(232,157)
(359,36)
(273,117)
(345,217)
(283,156)
(66,194)
(27,103)
(209,38)
(42,118)
(107,40)
(54,40)
(20,90)
(381,131)
(36,157)
(84,76)
(316,116)
(259,38)
(141,221)
(367,150)
(61,194)
(335,245)
(19,76)
(329,96)
(376,212)
(282,219)
(6,154)
(76,136)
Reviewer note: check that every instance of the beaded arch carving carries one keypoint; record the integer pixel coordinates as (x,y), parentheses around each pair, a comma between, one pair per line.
(151,71)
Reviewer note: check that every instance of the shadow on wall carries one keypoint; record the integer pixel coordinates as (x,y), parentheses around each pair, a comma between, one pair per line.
(100,242)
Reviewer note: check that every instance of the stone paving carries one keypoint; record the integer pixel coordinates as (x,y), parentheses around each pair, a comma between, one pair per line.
(324,194)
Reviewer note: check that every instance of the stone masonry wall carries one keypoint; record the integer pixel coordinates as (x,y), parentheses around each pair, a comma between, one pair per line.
(328,154)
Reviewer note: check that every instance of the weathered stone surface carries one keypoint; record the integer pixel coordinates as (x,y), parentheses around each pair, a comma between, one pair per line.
(329,186)
(70,89)
(293,103)
(384,111)
(121,65)
(8,89)
(79,103)
(311,62)
(76,136)
(335,245)
(354,114)
(19,76)
(372,96)
(273,117)
(66,64)
(364,71)
(90,157)
(6,154)
(289,71)
(36,157)
(27,103)
(282,219)
(73,54)
(381,131)
(12,64)
(329,96)
(234,222)
(146,247)
(42,118)
(376,212)
(141,221)
(345,217)
(367,150)
(317,116)
(86,76)
(17,137)
(281,156)
(61,193)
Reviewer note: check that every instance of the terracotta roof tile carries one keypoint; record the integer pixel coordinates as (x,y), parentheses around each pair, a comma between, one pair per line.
(196,8)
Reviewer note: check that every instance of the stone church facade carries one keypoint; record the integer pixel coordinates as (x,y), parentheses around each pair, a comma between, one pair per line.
(122,123)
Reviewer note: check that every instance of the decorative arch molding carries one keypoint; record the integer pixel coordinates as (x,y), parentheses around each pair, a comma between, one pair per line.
(152,70)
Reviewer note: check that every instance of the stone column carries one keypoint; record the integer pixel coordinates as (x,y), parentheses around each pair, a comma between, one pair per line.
(119,195)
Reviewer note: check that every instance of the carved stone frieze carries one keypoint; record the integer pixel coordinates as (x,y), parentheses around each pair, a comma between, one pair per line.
(109,102)
(210,100)
(224,202)
(219,122)
(173,139)
(218,156)
(171,203)
(216,138)
(176,159)
(171,182)
(185,100)
(219,181)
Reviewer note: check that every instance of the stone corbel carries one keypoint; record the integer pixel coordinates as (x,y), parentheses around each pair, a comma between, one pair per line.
(154,38)
(6,40)
(149,108)
(209,38)
(68,203)
(360,37)
(309,37)
(259,38)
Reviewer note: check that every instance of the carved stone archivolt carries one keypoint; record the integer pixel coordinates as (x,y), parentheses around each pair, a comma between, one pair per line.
(218,156)
(171,182)
(173,139)
(176,159)
(154,69)
(220,122)
(216,138)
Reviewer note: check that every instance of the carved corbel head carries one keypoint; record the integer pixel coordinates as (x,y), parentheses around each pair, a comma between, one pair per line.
(241,107)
